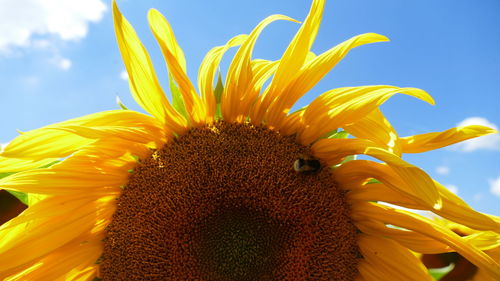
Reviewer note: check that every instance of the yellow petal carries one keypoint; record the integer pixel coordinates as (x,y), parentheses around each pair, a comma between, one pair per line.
(17,250)
(62,181)
(132,134)
(262,70)
(417,223)
(76,258)
(292,60)
(369,272)
(343,106)
(239,87)
(293,123)
(484,240)
(46,142)
(453,208)
(176,64)
(8,165)
(420,184)
(431,141)
(393,259)
(208,70)
(144,84)
(376,127)
(409,239)
(310,74)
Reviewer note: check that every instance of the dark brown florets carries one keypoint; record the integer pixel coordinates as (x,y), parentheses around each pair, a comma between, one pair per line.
(223,202)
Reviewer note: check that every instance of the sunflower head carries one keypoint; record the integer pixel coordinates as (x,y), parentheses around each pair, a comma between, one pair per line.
(227,183)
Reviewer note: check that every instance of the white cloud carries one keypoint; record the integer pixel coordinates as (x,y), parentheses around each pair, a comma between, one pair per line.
(495,186)
(31,23)
(442,170)
(453,188)
(124,75)
(489,142)
(65,64)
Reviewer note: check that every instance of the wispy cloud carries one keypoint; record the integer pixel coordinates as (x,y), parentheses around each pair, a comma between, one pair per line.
(451,187)
(2,145)
(34,23)
(495,186)
(489,142)
(478,197)
(64,63)
(124,75)
(442,170)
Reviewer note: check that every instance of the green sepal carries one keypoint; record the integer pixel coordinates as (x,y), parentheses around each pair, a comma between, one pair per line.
(22,196)
(177,100)
(120,103)
(372,181)
(219,88)
(337,135)
(348,158)
(438,273)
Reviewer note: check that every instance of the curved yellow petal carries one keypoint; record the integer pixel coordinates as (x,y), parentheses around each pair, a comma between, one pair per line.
(409,239)
(431,141)
(393,259)
(310,74)
(342,106)
(292,60)
(208,70)
(416,179)
(176,64)
(377,128)
(239,87)
(453,207)
(143,82)
(417,223)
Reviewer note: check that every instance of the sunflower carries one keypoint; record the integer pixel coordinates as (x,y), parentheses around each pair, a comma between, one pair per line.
(229,184)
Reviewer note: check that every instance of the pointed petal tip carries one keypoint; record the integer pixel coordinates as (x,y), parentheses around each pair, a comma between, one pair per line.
(152,13)
(379,37)
(114,7)
(420,94)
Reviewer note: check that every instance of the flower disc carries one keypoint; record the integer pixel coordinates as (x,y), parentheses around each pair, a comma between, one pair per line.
(223,202)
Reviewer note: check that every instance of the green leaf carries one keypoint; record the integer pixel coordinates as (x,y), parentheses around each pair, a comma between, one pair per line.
(373,181)
(219,88)
(177,100)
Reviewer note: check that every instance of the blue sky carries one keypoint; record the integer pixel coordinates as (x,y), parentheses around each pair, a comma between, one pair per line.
(60,61)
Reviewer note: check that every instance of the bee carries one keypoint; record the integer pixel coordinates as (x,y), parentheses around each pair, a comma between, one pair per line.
(305,164)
